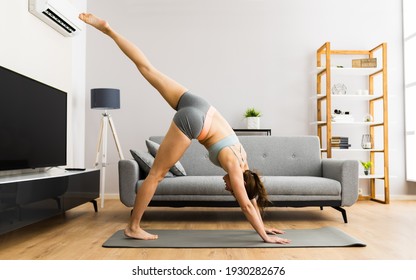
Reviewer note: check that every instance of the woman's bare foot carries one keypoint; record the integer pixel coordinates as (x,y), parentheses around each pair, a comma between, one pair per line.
(95,21)
(139,234)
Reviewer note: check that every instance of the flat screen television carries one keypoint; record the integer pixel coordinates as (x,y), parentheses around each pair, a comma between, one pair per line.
(33,123)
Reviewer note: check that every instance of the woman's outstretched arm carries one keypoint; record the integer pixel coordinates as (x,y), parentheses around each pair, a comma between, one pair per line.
(167,87)
(250,211)
(267,230)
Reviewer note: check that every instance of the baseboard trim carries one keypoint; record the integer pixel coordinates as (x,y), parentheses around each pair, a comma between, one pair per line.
(402,197)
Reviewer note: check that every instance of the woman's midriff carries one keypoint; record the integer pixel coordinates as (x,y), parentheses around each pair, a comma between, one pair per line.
(216,129)
(207,124)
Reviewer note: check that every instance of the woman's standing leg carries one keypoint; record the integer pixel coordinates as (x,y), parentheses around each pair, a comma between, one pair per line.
(170,151)
(175,142)
(170,90)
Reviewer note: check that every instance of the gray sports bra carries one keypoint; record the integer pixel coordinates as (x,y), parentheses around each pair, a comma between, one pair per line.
(217,147)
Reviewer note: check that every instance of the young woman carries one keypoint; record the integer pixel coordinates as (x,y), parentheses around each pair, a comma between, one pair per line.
(195,119)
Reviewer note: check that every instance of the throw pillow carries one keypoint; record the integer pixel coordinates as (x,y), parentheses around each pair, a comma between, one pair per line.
(145,161)
(177,169)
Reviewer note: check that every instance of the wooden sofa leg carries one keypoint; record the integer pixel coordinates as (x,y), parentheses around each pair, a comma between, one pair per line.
(343,212)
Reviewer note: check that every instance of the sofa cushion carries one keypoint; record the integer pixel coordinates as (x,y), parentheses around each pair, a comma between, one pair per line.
(145,161)
(302,185)
(291,187)
(191,185)
(177,169)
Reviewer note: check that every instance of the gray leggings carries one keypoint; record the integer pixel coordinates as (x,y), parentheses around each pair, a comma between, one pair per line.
(190,115)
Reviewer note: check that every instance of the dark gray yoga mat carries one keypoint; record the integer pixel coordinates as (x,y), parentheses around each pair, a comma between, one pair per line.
(320,237)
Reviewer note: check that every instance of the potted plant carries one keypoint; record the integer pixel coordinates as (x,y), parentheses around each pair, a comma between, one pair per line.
(366,165)
(253,118)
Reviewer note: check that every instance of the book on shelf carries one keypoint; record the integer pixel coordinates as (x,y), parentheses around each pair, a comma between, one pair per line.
(340,137)
(364,63)
(340,146)
(339,140)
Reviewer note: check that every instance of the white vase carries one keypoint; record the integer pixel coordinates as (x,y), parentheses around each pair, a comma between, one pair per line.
(253,122)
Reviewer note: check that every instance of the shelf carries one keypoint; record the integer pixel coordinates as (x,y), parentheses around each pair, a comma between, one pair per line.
(366,97)
(357,150)
(371,176)
(349,123)
(350,71)
(336,150)
(377,102)
(358,123)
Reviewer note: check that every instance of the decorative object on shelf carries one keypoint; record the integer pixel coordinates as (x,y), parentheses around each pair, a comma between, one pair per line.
(368,118)
(364,63)
(366,142)
(339,89)
(366,165)
(105,99)
(339,116)
(252,117)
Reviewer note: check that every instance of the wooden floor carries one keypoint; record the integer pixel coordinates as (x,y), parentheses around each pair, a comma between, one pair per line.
(388,230)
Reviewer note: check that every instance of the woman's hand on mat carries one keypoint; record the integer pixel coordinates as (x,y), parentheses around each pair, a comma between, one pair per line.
(273,231)
(277,240)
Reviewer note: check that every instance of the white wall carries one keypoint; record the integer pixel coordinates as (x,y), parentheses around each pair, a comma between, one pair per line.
(32,48)
(236,54)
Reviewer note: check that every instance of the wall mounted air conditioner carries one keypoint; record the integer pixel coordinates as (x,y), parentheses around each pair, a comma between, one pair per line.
(59,14)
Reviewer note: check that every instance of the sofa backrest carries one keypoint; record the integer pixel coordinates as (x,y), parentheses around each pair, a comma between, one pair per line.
(283,156)
(270,155)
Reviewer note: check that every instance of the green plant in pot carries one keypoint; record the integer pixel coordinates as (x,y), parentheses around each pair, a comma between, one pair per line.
(367,165)
(253,118)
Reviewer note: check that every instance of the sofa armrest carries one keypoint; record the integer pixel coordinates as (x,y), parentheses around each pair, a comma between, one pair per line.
(128,175)
(345,172)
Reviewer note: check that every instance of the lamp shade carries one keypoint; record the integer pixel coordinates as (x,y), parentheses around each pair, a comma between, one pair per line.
(105,98)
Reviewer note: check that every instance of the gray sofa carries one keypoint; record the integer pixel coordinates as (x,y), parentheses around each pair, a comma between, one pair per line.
(291,167)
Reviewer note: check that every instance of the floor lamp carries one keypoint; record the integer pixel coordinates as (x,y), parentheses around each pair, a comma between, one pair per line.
(105,99)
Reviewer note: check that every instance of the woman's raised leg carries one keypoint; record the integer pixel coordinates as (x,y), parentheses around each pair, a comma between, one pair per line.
(170,90)
(170,151)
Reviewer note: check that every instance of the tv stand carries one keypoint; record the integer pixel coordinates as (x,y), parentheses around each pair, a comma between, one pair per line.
(33,197)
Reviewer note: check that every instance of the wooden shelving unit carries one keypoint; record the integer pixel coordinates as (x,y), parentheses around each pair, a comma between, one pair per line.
(376,97)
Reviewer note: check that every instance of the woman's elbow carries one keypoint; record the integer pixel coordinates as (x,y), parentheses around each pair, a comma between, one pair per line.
(246,207)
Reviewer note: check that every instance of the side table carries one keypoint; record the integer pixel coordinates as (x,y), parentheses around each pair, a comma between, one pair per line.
(251,131)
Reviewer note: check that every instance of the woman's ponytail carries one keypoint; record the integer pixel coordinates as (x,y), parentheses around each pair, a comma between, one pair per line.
(256,190)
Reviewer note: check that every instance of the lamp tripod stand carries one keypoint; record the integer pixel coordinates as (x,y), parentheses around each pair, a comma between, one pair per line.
(102,147)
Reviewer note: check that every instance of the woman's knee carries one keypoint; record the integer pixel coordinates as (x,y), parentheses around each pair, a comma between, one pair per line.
(157,175)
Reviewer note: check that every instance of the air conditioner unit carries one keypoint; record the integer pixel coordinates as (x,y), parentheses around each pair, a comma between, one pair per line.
(59,14)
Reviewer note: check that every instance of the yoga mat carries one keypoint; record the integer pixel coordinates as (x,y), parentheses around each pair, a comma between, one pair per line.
(320,237)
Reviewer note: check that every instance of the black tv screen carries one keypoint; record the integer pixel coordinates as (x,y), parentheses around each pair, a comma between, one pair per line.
(33,123)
